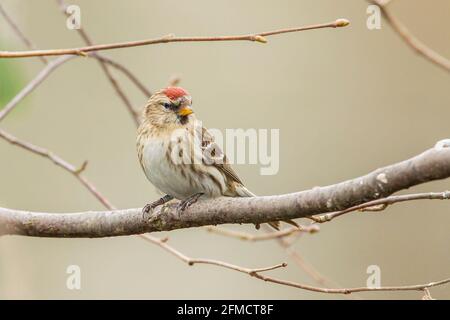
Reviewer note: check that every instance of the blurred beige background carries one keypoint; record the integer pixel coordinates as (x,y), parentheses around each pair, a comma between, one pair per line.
(346,101)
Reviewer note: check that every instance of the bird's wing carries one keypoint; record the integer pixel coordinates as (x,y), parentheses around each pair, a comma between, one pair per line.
(214,150)
(240,190)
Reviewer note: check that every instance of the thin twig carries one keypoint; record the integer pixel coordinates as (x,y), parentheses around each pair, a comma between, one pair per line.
(280,236)
(19,33)
(134,115)
(132,112)
(417,287)
(264,236)
(427,295)
(174,80)
(381,204)
(259,37)
(307,267)
(42,75)
(410,39)
(256,273)
(57,160)
(147,93)
(98,56)
(301,262)
(47,70)
(191,261)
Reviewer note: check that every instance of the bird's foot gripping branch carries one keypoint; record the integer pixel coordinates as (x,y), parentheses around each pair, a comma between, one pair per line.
(433,164)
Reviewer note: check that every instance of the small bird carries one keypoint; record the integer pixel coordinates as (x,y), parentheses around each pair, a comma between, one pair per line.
(179,156)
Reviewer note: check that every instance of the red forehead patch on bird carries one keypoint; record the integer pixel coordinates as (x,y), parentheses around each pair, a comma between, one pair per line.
(175,92)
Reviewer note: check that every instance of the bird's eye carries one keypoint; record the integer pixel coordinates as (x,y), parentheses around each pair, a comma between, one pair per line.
(167,105)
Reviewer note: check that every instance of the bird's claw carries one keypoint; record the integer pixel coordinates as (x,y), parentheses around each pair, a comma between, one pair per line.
(148,208)
(151,206)
(186,203)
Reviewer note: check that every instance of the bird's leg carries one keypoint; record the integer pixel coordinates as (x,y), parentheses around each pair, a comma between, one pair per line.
(150,206)
(186,203)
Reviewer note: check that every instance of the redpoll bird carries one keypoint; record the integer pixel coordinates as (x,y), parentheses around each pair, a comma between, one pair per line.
(179,156)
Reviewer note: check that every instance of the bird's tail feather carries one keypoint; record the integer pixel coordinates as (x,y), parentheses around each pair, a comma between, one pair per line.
(244,192)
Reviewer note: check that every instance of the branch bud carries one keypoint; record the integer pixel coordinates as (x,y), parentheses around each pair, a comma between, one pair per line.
(260,39)
(341,23)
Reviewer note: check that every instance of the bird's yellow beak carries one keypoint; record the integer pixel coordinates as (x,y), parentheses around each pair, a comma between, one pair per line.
(185,111)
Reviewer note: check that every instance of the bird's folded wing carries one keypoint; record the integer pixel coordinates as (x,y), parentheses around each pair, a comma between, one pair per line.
(222,165)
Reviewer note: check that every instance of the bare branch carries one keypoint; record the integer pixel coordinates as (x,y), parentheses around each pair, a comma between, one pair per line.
(19,32)
(431,165)
(381,204)
(76,171)
(410,39)
(304,265)
(191,261)
(256,273)
(126,72)
(134,115)
(42,75)
(427,295)
(417,287)
(259,37)
(264,236)
(280,236)
(174,80)
(52,66)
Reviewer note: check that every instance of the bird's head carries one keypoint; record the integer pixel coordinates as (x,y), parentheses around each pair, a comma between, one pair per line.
(168,107)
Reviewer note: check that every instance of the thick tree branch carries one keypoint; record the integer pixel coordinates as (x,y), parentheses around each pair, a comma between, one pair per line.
(259,37)
(433,164)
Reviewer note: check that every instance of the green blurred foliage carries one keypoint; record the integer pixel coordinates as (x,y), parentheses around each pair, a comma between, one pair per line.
(10,80)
